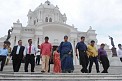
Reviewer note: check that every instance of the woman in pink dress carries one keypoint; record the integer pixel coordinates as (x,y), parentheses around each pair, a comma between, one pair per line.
(57,62)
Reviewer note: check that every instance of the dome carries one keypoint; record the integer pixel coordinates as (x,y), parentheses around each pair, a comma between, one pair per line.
(47,4)
(46,12)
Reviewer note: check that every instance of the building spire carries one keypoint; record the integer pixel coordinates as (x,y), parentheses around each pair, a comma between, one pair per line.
(90,28)
(18,21)
(47,2)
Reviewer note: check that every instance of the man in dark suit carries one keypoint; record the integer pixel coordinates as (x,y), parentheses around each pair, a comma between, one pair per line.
(17,56)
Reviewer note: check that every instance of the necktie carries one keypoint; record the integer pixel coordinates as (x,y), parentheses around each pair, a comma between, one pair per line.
(30,49)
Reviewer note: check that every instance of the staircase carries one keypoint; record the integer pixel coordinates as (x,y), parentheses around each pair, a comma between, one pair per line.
(115,74)
(58,77)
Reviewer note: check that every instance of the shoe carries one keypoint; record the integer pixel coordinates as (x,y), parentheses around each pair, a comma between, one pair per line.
(98,71)
(89,71)
(32,71)
(104,72)
(1,69)
(43,71)
(26,71)
(86,71)
(69,71)
(82,71)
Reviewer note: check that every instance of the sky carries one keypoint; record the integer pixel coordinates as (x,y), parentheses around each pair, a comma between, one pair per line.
(105,16)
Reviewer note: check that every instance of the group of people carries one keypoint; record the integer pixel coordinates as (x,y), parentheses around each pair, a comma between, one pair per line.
(62,56)
(89,55)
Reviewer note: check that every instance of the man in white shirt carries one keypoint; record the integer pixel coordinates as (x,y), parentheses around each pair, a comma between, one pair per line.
(30,51)
(119,53)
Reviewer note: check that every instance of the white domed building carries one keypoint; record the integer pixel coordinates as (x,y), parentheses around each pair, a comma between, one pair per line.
(47,20)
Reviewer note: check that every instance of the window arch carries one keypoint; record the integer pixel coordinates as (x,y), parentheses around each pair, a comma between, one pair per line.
(46,19)
(30,18)
(34,22)
(40,14)
(50,20)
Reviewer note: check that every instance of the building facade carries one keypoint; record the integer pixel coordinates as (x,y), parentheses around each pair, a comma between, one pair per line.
(47,20)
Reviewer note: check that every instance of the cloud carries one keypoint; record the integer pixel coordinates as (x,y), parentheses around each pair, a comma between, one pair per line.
(105,16)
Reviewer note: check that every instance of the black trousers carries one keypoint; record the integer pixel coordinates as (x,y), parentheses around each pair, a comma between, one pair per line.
(93,60)
(105,63)
(16,63)
(121,59)
(38,59)
(2,60)
(83,61)
(30,58)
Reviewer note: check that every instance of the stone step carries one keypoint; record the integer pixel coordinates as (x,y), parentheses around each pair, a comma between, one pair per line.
(112,69)
(58,77)
(115,74)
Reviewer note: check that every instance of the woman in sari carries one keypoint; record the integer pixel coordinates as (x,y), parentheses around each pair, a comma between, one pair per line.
(66,56)
(57,61)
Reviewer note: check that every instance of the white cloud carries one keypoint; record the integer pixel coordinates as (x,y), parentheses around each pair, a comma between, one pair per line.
(105,16)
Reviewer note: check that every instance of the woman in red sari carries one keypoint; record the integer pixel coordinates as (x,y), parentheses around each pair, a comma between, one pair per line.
(57,62)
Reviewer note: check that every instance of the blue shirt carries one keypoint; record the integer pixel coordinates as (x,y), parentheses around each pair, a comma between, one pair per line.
(3,52)
(81,46)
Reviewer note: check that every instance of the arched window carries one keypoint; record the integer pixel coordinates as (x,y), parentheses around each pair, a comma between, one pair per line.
(50,20)
(30,18)
(46,19)
(40,14)
(34,22)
